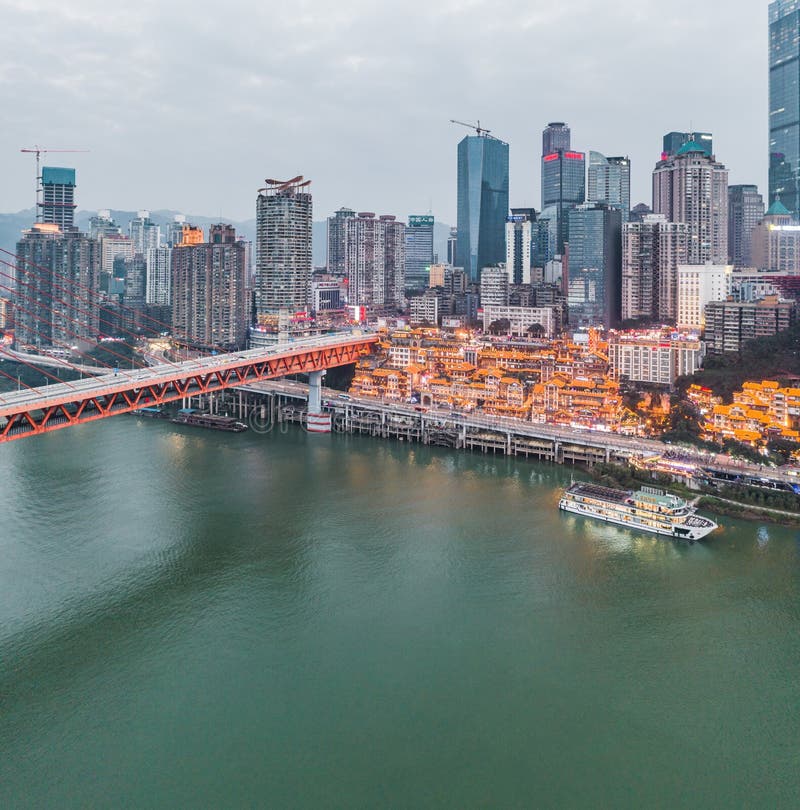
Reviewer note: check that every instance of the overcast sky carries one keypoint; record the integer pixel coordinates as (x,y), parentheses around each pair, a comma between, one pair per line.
(191,105)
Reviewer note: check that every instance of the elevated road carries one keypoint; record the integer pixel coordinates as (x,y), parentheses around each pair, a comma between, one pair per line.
(39,410)
(613,445)
(40,360)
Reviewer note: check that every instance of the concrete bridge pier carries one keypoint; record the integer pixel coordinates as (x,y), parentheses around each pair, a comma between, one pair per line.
(317,421)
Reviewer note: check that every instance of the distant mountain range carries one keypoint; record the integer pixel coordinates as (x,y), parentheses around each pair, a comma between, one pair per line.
(12,225)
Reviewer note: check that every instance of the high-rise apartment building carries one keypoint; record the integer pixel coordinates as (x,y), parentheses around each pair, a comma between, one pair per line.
(692,187)
(652,250)
(102,225)
(745,211)
(482,203)
(519,247)
(375,261)
(144,233)
(784,103)
(494,286)
(775,242)
(673,141)
(58,275)
(595,265)
(609,181)
(337,235)
(284,259)
(159,276)
(419,251)
(58,197)
(112,247)
(135,292)
(563,180)
(209,294)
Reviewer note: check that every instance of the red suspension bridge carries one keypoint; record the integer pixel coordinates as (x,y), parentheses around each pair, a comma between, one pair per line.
(40,410)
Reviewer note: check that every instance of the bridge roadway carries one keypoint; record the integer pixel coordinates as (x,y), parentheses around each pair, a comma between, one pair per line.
(39,410)
(613,444)
(43,361)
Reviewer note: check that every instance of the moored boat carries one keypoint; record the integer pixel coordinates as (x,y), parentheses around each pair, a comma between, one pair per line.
(211,421)
(649,509)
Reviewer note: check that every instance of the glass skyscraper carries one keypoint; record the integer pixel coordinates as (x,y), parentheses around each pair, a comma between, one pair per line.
(784,102)
(595,265)
(610,182)
(482,203)
(419,251)
(563,181)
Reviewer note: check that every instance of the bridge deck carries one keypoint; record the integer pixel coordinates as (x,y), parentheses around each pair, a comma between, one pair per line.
(55,406)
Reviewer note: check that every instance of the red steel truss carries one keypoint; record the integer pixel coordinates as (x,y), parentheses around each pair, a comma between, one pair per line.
(40,410)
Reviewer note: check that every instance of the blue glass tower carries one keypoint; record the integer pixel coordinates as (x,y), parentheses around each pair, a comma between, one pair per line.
(482,203)
(563,187)
(784,102)
(595,265)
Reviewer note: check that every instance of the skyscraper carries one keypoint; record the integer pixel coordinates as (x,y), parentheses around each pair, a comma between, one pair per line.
(337,233)
(519,247)
(673,141)
(563,179)
(482,203)
(419,251)
(102,226)
(159,276)
(784,103)
(135,291)
(283,263)
(452,241)
(692,187)
(609,181)
(652,250)
(58,197)
(145,234)
(209,290)
(595,265)
(556,137)
(375,261)
(775,243)
(745,211)
(58,275)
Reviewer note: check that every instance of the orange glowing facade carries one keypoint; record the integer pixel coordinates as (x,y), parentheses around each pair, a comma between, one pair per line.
(190,235)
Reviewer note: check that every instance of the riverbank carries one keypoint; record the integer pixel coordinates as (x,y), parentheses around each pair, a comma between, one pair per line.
(616,475)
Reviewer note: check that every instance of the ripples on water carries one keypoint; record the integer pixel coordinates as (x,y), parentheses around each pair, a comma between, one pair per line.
(196,619)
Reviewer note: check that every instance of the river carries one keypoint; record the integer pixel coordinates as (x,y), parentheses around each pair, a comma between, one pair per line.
(199,619)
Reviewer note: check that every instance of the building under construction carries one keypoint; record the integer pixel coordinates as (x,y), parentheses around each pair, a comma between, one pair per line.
(283,265)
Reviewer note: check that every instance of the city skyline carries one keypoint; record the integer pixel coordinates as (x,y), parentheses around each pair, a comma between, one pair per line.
(274,105)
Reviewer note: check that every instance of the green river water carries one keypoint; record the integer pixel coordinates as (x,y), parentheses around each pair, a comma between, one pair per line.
(199,619)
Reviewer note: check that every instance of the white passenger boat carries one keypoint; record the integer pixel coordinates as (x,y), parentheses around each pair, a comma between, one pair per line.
(649,509)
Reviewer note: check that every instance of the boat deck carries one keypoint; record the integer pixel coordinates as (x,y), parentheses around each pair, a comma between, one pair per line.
(601,493)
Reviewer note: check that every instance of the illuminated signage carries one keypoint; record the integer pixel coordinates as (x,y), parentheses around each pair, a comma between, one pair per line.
(574,155)
(550,158)
(419,222)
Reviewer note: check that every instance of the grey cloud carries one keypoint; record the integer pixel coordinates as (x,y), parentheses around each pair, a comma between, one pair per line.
(190,107)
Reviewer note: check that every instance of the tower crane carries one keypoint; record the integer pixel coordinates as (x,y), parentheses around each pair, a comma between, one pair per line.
(477,127)
(39,151)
